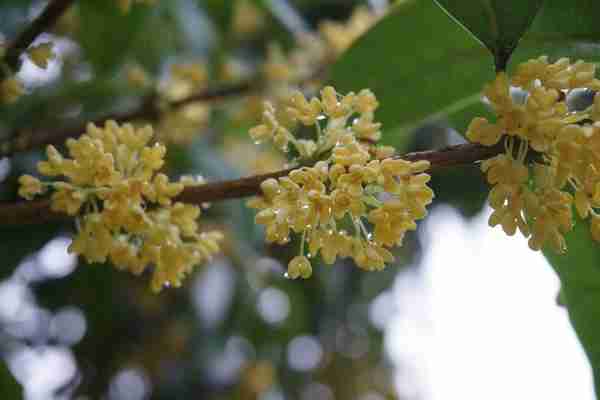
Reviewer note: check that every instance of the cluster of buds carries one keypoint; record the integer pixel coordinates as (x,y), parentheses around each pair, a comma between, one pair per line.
(178,124)
(124,208)
(538,200)
(332,116)
(354,187)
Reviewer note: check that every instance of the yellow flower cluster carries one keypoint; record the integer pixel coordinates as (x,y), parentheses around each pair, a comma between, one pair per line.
(568,146)
(177,124)
(125,210)
(339,36)
(355,186)
(351,115)
(284,72)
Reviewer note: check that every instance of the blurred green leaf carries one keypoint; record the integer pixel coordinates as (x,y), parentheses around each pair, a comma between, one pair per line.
(220,12)
(18,242)
(498,24)
(9,387)
(579,273)
(423,66)
(107,35)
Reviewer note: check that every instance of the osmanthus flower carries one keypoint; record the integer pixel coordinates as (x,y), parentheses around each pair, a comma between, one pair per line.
(357,201)
(567,143)
(11,89)
(284,72)
(124,208)
(178,124)
(41,54)
(339,36)
(247,19)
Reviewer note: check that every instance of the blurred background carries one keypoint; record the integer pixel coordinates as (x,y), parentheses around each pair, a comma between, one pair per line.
(465,312)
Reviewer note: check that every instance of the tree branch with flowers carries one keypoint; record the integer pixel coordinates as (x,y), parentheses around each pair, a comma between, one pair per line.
(322,109)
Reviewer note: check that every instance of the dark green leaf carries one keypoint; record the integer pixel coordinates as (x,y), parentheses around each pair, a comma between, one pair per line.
(221,13)
(422,65)
(579,272)
(418,62)
(498,24)
(9,387)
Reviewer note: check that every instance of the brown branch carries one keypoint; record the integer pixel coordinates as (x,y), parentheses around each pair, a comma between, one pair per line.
(36,212)
(53,11)
(148,110)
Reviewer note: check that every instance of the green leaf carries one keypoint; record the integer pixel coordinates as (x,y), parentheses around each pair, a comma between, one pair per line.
(221,13)
(423,66)
(418,62)
(579,273)
(498,24)
(9,387)
(107,35)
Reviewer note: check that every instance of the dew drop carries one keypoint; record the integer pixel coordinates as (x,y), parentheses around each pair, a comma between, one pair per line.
(286,276)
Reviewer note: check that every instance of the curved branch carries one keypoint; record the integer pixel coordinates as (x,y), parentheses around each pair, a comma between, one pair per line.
(148,110)
(53,11)
(36,212)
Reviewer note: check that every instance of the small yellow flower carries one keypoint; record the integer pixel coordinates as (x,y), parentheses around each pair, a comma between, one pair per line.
(340,36)
(480,130)
(67,199)
(137,76)
(41,54)
(10,90)
(299,267)
(303,110)
(247,18)
(30,187)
